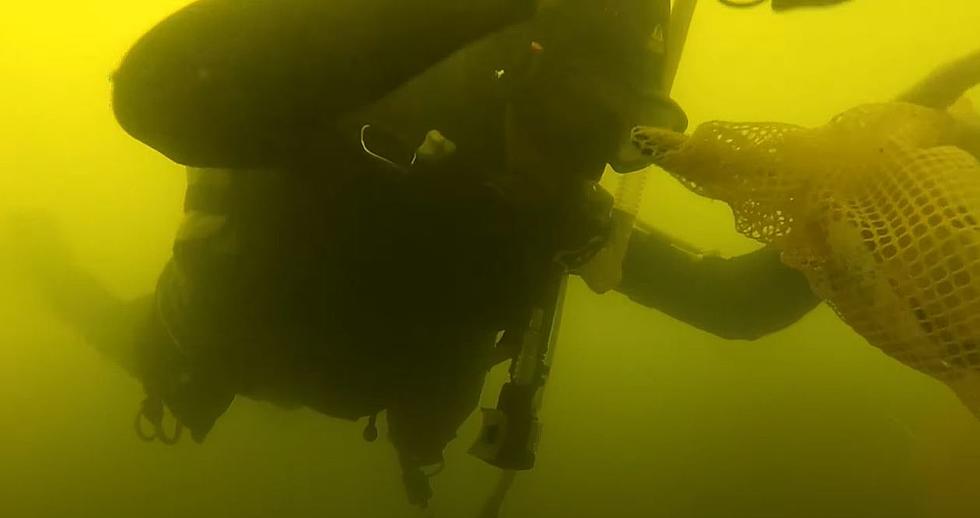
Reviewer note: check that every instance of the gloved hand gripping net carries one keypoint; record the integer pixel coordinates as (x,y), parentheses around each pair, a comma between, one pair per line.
(879,208)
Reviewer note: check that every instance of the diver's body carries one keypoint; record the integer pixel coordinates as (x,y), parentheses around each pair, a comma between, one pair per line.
(311,273)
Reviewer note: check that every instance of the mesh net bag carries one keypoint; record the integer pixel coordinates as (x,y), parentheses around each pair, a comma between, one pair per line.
(879,209)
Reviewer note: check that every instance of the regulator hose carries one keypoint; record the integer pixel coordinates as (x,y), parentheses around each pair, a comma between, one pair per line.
(741,3)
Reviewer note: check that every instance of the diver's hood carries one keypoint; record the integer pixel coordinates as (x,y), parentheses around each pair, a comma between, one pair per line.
(608,57)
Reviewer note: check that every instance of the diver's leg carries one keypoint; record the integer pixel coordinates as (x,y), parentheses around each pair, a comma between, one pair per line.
(245,84)
(107,323)
(76,298)
(435,394)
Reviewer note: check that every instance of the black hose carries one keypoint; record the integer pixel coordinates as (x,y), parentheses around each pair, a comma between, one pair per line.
(782,5)
(741,3)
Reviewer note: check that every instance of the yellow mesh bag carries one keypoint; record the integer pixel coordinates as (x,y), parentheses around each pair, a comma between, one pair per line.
(878,208)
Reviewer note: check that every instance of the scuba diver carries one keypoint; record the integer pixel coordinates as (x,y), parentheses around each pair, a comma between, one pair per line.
(329,260)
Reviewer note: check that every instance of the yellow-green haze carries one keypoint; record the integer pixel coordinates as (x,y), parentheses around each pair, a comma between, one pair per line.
(645,416)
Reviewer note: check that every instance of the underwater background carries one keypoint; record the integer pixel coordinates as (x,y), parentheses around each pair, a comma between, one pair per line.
(644,416)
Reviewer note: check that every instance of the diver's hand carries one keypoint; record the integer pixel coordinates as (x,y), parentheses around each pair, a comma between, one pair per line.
(604,271)
(968,125)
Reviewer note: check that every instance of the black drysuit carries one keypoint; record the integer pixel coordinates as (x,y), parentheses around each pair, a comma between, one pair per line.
(325,278)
